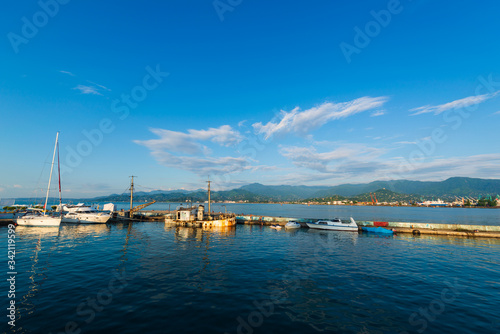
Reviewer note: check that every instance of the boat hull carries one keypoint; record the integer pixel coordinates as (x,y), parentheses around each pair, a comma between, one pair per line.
(290,226)
(333,227)
(204,223)
(81,218)
(378,230)
(38,221)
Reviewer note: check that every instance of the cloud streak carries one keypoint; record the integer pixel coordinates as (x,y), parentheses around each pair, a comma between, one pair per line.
(188,143)
(185,150)
(302,122)
(87,90)
(457,104)
(347,156)
(349,164)
(68,73)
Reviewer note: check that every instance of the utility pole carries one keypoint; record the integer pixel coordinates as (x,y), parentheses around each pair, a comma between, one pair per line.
(131,194)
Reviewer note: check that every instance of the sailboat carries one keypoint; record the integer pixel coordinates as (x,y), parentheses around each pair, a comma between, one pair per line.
(40,217)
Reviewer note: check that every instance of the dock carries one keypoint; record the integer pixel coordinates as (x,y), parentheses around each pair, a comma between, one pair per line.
(460,230)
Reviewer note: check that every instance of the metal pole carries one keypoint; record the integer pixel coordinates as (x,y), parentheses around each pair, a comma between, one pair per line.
(209,209)
(131,194)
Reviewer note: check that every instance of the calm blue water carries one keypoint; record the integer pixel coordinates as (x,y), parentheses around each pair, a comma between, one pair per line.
(468,216)
(151,278)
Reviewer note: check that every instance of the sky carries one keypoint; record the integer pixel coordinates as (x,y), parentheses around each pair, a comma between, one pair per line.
(275,92)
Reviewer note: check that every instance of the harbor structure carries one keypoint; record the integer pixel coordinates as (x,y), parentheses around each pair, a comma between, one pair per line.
(196,216)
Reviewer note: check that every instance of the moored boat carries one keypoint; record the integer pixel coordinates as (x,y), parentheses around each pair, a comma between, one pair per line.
(378,230)
(41,218)
(83,214)
(292,225)
(335,225)
(37,218)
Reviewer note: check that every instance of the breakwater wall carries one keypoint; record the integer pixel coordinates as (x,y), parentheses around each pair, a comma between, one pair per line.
(398,227)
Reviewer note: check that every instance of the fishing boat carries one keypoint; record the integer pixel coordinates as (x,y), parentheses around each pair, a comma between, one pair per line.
(334,225)
(40,217)
(196,216)
(378,230)
(292,225)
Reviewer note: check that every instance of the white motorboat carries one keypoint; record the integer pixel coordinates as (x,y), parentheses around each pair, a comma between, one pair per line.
(40,218)
(83,214)
(335,225)
(292,225)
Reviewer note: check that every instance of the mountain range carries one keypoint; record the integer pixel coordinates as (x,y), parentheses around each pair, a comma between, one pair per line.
(256,192)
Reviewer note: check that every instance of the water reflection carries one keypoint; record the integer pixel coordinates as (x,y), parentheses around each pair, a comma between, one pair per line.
(37,232)
(453,240)
(200,234)
(335,236)
(39,262)
(83,230)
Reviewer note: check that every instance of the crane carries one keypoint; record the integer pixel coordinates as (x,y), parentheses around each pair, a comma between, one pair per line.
(373,202)
(141,206)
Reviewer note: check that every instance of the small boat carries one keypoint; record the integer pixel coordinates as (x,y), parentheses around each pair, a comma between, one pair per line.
(334,225)
(292,225)
(379,230)
(276,227)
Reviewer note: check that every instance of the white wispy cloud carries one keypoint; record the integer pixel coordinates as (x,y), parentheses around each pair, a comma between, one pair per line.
(497,113)
(341,167)
(68,73)
(483,165)
(98,85)
(186,151)
(457,104)
(189,143)
(378,113)
(202,165)
(87,90)
(348,156)
(301,122)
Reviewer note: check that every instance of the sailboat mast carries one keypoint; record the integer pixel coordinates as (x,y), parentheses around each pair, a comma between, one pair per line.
(59,172)
(50,177)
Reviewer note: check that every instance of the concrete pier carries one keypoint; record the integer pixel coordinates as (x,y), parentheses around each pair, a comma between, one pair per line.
(398,227)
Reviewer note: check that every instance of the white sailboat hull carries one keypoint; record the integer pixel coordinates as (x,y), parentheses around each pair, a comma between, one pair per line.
(38,221)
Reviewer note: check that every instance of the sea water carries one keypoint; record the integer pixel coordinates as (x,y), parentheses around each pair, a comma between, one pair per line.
(154,278)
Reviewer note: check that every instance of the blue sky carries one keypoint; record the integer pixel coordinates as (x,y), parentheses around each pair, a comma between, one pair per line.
(281,92)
